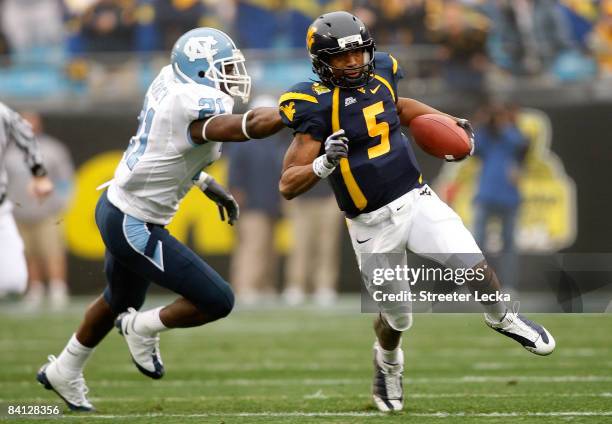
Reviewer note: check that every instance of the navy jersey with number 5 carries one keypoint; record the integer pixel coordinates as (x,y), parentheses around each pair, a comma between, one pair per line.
(381,165)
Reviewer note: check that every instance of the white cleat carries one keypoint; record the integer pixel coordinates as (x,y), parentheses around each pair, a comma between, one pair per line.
(72,391)
(144,350)
(387,389)
(530,335)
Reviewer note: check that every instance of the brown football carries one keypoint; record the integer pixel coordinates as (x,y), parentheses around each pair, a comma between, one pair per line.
(440,136)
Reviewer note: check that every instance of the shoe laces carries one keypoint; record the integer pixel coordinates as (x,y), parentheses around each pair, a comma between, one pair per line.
(514,312)
(393,379)
(511,315)
(393,382)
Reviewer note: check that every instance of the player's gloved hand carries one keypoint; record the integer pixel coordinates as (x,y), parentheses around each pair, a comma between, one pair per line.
(224,200)
(467,127)
(336,147)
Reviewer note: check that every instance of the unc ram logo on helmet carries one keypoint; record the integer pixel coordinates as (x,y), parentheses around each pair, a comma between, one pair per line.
(208,56)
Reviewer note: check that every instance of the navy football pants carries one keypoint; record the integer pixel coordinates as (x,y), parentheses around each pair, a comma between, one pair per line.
(138,253)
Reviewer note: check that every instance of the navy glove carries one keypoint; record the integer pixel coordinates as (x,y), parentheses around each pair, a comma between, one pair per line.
(224,200)
(467,127)
(336,147)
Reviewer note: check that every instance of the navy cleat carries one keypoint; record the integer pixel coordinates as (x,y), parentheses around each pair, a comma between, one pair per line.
(144,349)
(72,391)
(530,335)
(387,389)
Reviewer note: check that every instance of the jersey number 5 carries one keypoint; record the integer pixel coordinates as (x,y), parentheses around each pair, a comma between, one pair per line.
(377,129)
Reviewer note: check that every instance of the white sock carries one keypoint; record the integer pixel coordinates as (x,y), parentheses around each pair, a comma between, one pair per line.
(391,356)
(495,311)
(148,323)
(73,357)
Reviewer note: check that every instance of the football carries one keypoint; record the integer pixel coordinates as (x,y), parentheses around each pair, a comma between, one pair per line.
(440,136)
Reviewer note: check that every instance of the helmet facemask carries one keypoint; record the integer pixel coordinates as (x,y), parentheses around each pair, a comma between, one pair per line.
(230,75)
(328,73)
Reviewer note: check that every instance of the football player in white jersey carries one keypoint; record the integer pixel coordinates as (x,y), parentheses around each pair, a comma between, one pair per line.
(186,108)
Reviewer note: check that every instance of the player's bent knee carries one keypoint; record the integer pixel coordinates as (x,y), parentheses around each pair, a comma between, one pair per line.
(399,321)
(217,303)
(229,301)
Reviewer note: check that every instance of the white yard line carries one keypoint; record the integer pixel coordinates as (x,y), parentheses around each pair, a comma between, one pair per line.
(440,414)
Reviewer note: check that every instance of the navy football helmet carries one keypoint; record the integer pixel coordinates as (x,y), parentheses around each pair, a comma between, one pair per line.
(339,32)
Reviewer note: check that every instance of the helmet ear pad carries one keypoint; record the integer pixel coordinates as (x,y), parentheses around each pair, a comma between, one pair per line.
(321,67)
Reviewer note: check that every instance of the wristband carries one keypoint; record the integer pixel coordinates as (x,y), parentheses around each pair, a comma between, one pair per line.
(205,125)
(321,167)
(203,181)
(244,126)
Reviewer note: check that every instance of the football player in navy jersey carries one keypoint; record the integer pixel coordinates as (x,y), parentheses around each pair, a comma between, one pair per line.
(347,129)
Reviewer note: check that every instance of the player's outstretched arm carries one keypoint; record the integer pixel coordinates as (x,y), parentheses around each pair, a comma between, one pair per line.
(260,122)
(303,167)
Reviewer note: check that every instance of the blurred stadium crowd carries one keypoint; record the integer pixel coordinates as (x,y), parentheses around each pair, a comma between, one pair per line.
(454,42)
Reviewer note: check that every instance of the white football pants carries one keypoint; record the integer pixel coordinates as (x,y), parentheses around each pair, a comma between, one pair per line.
(418,222)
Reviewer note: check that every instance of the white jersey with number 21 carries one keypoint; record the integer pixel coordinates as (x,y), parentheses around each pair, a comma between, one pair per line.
(161,161)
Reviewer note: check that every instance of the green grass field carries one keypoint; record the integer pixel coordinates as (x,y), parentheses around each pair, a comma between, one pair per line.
(280,365)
